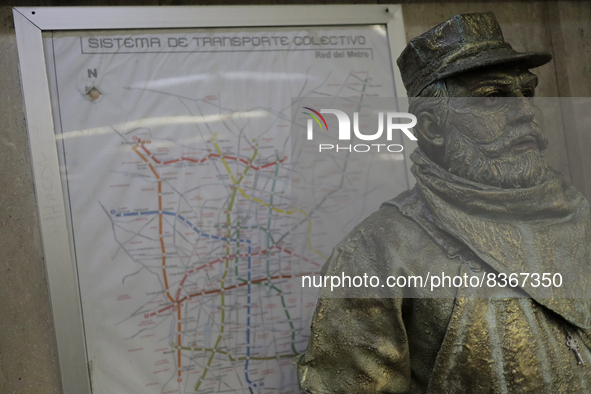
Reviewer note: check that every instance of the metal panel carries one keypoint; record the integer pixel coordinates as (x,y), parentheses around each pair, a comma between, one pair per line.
(30,22)
(85,18)
(397,40)
(61,271)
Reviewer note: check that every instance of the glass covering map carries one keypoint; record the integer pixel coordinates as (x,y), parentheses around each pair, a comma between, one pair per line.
(176,155)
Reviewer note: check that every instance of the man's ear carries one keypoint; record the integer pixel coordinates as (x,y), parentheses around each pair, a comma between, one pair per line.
(430,130)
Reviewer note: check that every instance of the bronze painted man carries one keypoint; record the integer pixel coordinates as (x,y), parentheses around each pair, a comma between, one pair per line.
(485,201)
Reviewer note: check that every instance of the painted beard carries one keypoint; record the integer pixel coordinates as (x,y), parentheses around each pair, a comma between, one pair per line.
(494,164)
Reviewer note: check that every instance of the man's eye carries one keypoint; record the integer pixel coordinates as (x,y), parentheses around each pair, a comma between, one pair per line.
(492,99)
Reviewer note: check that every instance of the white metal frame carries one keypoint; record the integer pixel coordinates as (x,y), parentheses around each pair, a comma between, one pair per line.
(30,22)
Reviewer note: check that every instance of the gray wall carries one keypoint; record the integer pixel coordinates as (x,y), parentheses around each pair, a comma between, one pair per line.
(28,355)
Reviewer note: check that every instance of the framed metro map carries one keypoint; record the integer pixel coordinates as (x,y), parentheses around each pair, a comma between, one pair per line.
(163,164)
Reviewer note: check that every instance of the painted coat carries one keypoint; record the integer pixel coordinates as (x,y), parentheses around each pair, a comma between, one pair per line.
(413,340)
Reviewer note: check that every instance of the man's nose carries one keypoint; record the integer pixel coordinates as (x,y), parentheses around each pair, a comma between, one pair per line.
(522,108)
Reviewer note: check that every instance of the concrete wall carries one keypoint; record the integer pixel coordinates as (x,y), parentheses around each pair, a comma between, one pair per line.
(28,355)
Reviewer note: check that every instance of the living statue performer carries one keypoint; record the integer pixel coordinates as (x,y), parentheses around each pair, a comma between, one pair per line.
(485,201)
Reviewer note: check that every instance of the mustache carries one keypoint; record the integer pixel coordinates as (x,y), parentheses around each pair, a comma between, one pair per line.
(520,132)
(464,158)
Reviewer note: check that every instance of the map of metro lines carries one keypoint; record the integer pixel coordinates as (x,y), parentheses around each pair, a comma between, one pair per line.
(189,243)
(222,283)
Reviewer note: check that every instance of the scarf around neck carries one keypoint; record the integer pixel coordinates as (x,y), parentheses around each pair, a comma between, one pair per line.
(541,229)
